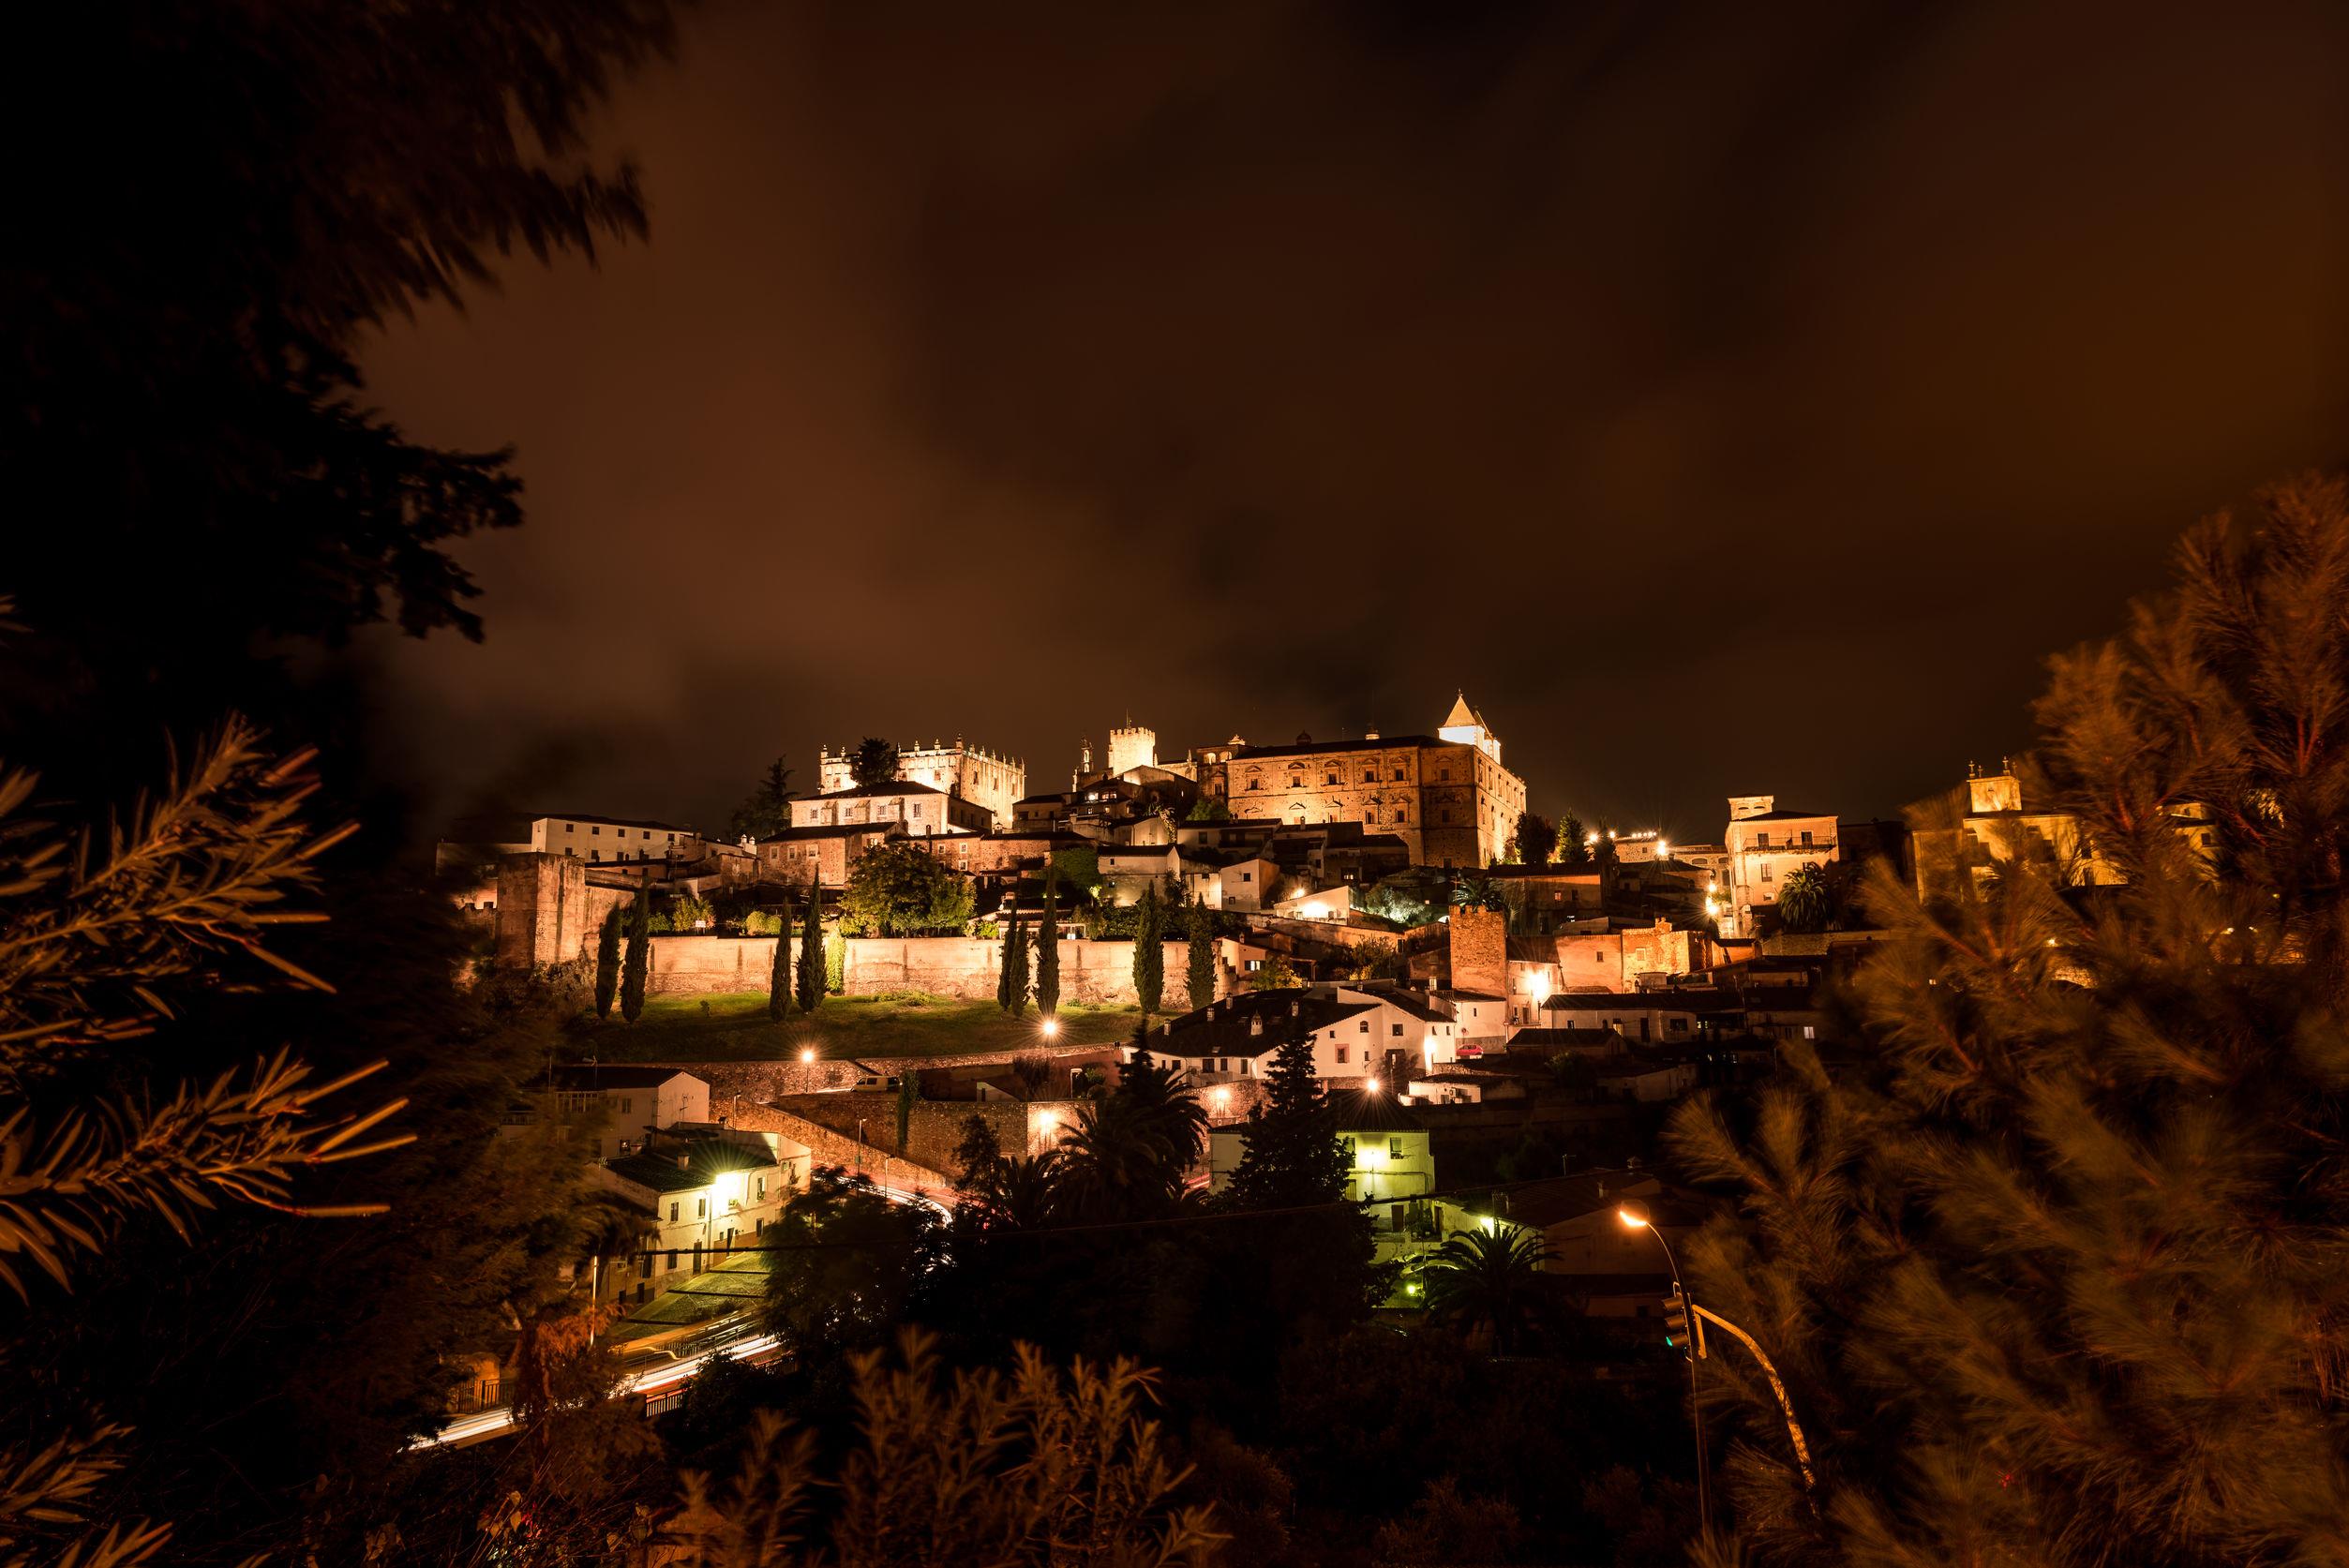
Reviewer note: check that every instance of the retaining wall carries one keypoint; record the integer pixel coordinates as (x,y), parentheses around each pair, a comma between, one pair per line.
(957,966)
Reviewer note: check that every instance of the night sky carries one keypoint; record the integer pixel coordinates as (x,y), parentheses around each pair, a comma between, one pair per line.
(1730,398)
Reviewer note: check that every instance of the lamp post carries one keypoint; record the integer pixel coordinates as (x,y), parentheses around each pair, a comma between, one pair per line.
(1635,1215)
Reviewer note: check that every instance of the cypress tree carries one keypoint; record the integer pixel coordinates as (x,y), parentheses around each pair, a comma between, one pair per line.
(1048,947)
(2057,1269)
(909,1091)
(779,976)
(811,988)
(608,962)
(1201,956)
(836,960)
(632,973)
(1149,953)
(1011,984)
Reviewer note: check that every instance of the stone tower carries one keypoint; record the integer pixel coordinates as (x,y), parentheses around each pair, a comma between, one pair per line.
(1131,746)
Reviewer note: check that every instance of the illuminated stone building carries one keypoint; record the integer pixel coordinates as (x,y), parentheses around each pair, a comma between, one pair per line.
(1764,846)
(1447,795)
(985,779)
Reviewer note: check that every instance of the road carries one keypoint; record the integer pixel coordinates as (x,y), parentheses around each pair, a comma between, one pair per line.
(737,1336)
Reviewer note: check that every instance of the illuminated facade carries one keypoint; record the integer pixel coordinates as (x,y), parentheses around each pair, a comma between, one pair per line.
(1447,797)
(985,779)
(1764,846)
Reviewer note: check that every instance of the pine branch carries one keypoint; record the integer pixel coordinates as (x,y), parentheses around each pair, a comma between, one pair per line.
(63,1190)
(200,871)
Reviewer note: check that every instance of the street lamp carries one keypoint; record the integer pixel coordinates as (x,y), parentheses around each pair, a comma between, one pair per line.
(1635,1215)
(1050,1027)
(807,1054)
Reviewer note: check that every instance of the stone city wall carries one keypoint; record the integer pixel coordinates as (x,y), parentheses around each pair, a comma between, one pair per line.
(828,1146)
(956,966)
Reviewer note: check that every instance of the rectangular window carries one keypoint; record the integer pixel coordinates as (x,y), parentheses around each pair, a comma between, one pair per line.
(762,1189)
(1761,841)
(701,1209)
(1398,775)
(628,1106)
(1806,841)
(672,1259)
(1765,870)
(595,830)
(1341,1055)
(1394,1148)
(1398,1030)
(672,1220)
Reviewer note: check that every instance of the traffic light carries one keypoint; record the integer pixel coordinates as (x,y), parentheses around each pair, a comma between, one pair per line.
(1676,1328)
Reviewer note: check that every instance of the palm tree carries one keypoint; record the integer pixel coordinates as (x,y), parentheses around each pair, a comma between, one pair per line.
(1487,1281)
(1805,901)
(1014,1194)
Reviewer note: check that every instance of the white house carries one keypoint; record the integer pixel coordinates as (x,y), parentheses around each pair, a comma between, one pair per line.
(924,811)
(1359,1034)
(625,1105)
(609,839)
(703,1192)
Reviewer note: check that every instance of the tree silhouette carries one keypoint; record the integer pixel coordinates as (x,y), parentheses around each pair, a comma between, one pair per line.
(1536,840)
(2055,1273)
(1199,977)
(633,970)
(766,810)
(875,762)
(1484,1282)
(810,990)
(608,962)
(1805,899)
(1149,953)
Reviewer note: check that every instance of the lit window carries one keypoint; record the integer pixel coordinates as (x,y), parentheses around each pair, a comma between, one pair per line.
(1394,1148)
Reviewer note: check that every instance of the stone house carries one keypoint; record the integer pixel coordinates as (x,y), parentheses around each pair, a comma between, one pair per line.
(922,809)
(799,854)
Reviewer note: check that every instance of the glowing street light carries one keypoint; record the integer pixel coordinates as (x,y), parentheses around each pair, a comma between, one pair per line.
(807,1053)
(1050,1027)
(1636,1216)
(1372,1085)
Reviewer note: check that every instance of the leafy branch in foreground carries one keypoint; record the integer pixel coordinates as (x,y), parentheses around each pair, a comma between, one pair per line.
(198,871)
(93,930)
(1029,1468)
(58,1192)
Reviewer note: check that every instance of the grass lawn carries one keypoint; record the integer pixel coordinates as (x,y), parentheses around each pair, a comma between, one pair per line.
(738,1282)
(733,1026)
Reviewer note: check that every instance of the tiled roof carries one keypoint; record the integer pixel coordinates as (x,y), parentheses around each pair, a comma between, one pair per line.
(704,1161)
(1321,748)
(832,830)
(1227,1031)
(597,1076)
(859,792)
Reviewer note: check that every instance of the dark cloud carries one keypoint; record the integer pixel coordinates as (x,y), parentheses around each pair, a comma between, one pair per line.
(1728,397)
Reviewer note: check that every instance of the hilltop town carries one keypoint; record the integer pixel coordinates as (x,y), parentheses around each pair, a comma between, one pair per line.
(1505,1012)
